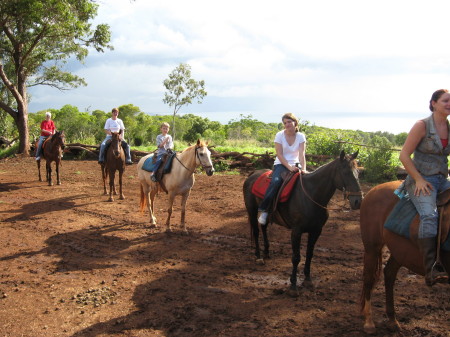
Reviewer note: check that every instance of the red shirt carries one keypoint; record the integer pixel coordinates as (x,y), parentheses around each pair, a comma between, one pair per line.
(48,126)
(444,142)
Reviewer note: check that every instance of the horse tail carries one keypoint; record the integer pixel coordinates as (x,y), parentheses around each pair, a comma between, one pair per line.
(144,200)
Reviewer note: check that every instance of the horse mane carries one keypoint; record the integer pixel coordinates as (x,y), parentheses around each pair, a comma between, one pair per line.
(353,165)
(202,143)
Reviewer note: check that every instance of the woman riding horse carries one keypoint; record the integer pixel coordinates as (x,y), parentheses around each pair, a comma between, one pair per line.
(428,174)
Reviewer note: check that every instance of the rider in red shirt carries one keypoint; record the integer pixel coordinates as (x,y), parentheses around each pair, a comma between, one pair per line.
(47,129)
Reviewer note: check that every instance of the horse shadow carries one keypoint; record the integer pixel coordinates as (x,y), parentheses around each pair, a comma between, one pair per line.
(35,209)
(8,187)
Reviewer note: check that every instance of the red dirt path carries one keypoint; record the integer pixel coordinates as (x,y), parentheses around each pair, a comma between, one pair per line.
(73,264)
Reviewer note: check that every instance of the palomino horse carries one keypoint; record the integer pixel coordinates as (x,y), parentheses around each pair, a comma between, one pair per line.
(114,161)
(52,151)
(375,209)
(178,182)
(306,210)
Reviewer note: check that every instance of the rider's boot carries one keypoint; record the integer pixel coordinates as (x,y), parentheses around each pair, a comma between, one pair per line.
(434,272)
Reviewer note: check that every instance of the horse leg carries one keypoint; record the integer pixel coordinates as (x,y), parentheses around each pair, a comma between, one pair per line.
(104,177)
(184,198)
(266,242)
(151,205)
(112,188)
(312,239)
(48,166)
(122,197)
(390,274)
(58,181)
(296,237)
(372,267)
(169,212)
(38,162)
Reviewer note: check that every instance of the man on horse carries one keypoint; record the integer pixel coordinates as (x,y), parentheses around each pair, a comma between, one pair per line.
(47,129)
(114,124)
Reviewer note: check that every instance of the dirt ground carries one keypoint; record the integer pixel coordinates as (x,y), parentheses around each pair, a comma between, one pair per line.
(73,264)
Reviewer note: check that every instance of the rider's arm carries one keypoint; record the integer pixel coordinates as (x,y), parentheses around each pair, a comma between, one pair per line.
(412,141)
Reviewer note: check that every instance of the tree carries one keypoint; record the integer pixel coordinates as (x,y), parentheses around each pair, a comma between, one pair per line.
(37,38)
(182,89)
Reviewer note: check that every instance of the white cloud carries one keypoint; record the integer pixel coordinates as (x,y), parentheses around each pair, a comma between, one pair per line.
(314,58)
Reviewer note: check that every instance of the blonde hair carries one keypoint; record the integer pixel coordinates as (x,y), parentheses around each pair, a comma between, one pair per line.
(165,124)
(292,117)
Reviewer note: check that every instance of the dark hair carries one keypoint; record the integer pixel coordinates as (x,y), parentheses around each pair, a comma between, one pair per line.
(292,117)
(436,95)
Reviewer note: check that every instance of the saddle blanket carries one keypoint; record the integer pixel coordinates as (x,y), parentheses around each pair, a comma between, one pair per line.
(401,217)
(262,183)
(149,165)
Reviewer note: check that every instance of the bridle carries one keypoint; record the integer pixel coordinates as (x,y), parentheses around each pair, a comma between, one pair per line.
(205,167)
(347,194)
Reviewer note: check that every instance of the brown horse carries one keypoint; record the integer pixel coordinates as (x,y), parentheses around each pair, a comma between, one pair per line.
(375,209)
(52,150)
(114,161)
(306,210)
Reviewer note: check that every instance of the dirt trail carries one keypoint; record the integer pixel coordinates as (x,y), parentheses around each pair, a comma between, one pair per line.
(73,264)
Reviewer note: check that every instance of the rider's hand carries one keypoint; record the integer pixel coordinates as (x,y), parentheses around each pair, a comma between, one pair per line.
(422,186)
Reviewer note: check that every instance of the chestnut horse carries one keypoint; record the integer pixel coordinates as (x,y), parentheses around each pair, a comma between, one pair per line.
(114,161)
(178,182)
(376,207)
(306,210)
(52,151)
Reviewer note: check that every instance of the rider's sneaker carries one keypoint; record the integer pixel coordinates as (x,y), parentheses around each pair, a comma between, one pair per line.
(263,218)
(129,162)
(38,158)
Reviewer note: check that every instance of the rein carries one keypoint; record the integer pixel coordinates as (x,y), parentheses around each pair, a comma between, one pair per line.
(346,195)
(197,156)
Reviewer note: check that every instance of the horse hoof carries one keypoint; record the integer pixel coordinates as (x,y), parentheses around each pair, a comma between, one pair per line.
(393,326)
(122,197)
(260,262)
(169,230)
(293,292)
(110,199)
(58,183)
(308,284)
(370,330)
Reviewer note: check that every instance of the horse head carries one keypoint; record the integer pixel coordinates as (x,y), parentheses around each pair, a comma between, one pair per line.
(347,180)
(203,157)
(116,143)
(59,139)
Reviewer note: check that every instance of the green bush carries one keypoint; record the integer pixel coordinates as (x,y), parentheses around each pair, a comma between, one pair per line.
(379,165)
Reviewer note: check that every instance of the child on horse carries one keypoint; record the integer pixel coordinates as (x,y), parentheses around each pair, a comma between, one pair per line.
(164,143)
(114,124)
(47,129)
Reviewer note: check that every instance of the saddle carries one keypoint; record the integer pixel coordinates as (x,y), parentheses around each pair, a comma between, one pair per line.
(262,183)
(165,167)
(404,220)
(36,144)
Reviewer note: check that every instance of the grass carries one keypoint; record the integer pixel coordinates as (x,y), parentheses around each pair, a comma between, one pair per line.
(10,151)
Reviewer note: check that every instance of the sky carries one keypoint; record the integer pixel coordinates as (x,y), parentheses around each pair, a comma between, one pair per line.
(349,64)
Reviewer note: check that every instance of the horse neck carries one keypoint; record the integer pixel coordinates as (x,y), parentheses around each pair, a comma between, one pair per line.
(320,184)
(187,162)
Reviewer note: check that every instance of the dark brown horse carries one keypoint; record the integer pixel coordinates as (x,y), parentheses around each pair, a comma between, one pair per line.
(52,150)
(375,209)
(114,161)
(306,210)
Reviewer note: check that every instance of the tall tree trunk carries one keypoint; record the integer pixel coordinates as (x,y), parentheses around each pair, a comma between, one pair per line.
(22,127)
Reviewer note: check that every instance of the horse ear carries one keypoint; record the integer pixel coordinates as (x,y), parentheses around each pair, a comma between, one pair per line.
(198,142)
(342,155)
(354,155)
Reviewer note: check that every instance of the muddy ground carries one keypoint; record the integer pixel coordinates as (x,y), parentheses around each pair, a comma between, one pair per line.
(73,264)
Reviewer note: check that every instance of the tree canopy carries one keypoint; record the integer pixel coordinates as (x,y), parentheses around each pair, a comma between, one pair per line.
(37,39)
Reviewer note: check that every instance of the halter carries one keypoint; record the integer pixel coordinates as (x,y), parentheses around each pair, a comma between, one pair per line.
(197,156)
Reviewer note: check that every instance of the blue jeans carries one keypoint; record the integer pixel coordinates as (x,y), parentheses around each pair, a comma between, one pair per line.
(426,204)
(126,148)
(157,162)
(39,146)
(273,188)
